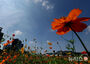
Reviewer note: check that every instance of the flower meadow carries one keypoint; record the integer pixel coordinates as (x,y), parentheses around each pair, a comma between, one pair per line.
(14,51)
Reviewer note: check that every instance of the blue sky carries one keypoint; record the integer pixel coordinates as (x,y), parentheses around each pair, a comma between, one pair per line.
(32,19)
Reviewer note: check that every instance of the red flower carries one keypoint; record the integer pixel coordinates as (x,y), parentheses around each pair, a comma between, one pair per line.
(14,61)
(15,57)
(47,55)
(13,35)
(10,60)
(71,22)
(50,47)
(4,58)
(8,41)
(84,52)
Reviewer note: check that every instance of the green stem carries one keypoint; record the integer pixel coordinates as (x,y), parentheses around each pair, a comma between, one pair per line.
(81,42)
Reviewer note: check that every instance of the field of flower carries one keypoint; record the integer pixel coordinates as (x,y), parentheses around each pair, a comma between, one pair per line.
(15,54)
(21,57)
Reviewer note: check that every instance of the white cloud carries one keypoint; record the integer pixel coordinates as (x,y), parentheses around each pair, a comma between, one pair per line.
(18,32)
(45,3)
(88,30)
(47,41)
(49,7)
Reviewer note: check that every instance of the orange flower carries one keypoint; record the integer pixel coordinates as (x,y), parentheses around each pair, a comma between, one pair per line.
(4,59)
(2,62)
(8,56)
(71,22)
(50,47)
(47,55)
(8,42)
(49,43)
(33,51)
(26,55)
(14,57)
(22,50)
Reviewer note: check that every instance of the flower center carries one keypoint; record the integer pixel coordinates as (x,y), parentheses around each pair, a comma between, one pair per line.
(67,23)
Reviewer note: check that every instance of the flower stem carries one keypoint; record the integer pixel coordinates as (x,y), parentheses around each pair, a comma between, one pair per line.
(81,42)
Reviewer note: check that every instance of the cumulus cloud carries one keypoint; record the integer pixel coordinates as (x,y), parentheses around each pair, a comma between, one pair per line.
(88,30)
(45,3)
(18,32)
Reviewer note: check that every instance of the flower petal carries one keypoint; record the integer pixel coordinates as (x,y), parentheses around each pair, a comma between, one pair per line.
(63,30)
(74,14)
(81,19)
(58,23)
(78,27)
